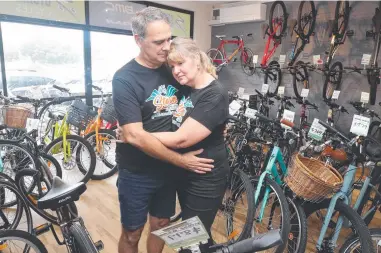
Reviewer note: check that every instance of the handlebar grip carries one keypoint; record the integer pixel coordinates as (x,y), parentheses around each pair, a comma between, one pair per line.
(333,130)
(260,116)
(25,99)
(61,88)
(257,243)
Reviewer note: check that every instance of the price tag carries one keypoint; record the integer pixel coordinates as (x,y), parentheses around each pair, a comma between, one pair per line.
(255,59)
(250,113)
(282,59)
(265,88)
(183,234)
(240,91)
(316,130)
(234,107)
(305,93)
(317,60)
(364,97)
(32,124)
(281,90)
(360,125)
(289,115)
(366,59)
(335,94)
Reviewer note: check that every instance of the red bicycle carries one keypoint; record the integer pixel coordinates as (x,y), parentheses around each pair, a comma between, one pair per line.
(220,59)
(275,31)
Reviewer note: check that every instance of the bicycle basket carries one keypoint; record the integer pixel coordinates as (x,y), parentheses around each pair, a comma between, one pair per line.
(311,179)
(15,116)
(108,111)
(80,115)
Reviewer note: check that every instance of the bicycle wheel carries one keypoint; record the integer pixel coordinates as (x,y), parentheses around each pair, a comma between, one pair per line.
(17,215)
(341,18)
(234,218)
(352,245)
(74,166)
(278,19)
(106,154)
(82,239)
(273,77)
(300,79)
(373,80)
(315,214)
(375,130)
(297,239)
(12,241)
(306,19)
(275,214)
(333,80)
(247,61)
(216,57)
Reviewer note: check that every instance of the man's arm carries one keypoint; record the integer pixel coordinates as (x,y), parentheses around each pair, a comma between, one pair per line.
(134,134)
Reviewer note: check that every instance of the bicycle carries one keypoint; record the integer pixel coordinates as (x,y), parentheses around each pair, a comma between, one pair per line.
(60,198)
(220,59)
(7,244)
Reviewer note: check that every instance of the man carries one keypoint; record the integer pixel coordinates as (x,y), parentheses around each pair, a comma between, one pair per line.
(145,95)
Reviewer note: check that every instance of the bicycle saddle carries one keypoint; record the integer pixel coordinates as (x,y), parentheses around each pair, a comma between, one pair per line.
(61,194)
(220,36)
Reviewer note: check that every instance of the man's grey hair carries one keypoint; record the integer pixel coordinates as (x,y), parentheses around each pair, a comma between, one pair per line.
(144,17)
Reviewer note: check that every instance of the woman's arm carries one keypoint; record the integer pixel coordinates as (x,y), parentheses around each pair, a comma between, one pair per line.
(190,133)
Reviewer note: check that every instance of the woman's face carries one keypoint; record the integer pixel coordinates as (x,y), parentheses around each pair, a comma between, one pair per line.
(186,71)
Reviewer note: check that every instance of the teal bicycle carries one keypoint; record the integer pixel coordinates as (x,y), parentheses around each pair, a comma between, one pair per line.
(339,220)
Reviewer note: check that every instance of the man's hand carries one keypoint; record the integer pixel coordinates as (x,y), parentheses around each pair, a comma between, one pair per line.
(196,164)
(119,134)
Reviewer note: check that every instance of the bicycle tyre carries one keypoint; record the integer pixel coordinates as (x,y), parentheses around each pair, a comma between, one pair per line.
(284,24)
(298,215)
(216,62)
(32,241)
(353,217)
(346,18)
(373,127)
(373,82)
(86,144)
(303,77)
(273,89)
(285,216)
(248,62)
(312,26)
(351,243)
(336,83)
(243,186)
(82,239)
(20,203)
(113,168)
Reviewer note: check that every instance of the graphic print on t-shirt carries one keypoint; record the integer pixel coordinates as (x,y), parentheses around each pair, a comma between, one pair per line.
(181,110)
(163,99)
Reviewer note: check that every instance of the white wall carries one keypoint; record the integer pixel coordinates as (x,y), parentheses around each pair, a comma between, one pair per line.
(202,12)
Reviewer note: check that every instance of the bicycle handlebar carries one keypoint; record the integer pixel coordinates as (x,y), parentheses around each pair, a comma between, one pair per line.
(257,243)
(335,131)
(61,88)
(96,88)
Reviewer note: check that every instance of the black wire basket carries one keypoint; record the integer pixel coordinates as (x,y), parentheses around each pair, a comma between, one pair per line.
(80,115)
(108,111)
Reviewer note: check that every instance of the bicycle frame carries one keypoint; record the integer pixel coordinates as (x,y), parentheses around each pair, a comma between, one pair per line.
(300,49)
(272,171)
(267,54)
(221,47)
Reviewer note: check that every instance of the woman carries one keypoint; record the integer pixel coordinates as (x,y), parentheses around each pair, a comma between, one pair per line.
(198,124)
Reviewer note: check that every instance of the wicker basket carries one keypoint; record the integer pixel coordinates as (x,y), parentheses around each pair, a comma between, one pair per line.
(312,179)
(15,116)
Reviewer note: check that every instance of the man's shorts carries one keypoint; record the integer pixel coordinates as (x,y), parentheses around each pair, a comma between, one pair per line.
(140,194)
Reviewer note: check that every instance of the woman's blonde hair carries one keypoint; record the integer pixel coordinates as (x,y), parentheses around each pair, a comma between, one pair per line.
(185,47)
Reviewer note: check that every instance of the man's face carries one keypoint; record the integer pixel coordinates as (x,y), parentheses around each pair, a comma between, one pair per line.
(157,40)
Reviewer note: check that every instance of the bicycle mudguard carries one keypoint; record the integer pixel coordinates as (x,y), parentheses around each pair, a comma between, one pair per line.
(257,243)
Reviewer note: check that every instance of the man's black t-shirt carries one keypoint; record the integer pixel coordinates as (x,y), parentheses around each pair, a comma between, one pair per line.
(144,95)
(210,107)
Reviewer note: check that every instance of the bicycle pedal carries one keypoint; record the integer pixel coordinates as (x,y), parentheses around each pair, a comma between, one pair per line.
(99,245)
(42,229)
